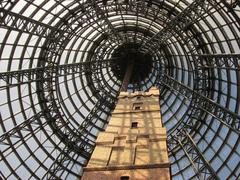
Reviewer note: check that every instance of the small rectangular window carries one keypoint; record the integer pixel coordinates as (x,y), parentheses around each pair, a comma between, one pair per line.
(134,124)
(137,106)
(124,178)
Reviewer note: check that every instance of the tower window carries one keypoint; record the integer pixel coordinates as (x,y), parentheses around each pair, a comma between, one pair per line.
(124,178)
(134,125)
(137,106)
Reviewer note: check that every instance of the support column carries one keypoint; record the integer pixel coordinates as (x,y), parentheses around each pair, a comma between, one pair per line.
(127,76)
(134,144)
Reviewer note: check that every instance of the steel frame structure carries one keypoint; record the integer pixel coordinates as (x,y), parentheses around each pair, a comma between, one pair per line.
(57,87)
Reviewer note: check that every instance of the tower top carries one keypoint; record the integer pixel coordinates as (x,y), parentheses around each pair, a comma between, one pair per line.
(152,91)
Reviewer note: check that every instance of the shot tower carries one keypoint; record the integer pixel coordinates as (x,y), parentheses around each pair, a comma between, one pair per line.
(134,144)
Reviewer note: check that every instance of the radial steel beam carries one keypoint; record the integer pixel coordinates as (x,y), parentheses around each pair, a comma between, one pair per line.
(13,133)
(58,165)
(56,36)
(89,120)
(201,166)
(18,22)
(231,61)
(76,142)
(13,78)
(7,3)
(75,139)
(224,115)
(101,14)
(231,7)
(204,62)
(179,23)
(56,120)
(228,61)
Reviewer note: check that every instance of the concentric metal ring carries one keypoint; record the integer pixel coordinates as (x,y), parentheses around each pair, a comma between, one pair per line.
(58,88)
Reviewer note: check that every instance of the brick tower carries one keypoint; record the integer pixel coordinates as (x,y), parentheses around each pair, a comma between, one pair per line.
(134,143)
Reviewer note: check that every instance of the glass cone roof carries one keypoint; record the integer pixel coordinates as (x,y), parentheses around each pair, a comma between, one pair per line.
(58,82)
